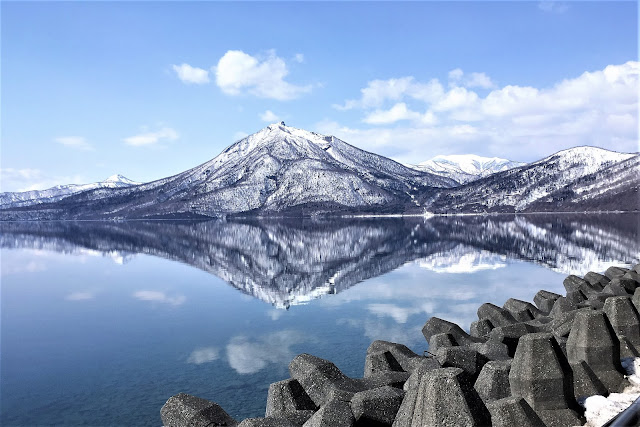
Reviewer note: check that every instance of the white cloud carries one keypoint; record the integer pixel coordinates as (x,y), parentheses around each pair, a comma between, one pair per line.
(160,297)
(269,116)
(396,113)
(191,75)
(204,355)
(518,122)
(299,58)
(152,138)
(77,142)
(238,72)
(553,6)
(456,75)
(481,80)
(248,357)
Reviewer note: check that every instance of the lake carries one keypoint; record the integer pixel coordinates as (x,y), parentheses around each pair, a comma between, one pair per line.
(103,321)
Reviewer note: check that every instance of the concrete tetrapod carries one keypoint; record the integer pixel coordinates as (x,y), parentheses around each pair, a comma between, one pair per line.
(625,320)
(446,398)
(186,410)
(593,341)
(539,373)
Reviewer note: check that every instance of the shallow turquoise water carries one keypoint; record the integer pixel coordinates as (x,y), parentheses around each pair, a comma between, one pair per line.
(102,322)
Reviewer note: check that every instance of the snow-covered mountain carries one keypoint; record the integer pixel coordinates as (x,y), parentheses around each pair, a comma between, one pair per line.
(285,171)
(53,194)
(577,179)
(278,169)
(465,168)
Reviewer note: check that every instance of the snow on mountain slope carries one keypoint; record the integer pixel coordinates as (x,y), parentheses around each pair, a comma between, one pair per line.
(465,168)
(26,198)
(524,187)
(279,168)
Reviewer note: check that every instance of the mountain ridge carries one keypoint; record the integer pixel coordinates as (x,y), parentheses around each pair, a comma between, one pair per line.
(282,170)
(58,192)
(465,168)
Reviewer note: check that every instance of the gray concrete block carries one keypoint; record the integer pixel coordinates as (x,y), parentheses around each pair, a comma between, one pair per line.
(585,382)
(560,418)
(615,288)
(512,412)
(335,413)
(377,406)
(632,275)
(493,381)
(593,340)
(492,349)
(405,412)
(629,285)
(539,373)
(380,361)
(480,328)
(441,340)
(510,335)
(545,300)
(562,305)
(186,410)
(625,320)
(496,315)
(272,421)
(561,325)
(400,352)
(467,359)
(436,326)
(522,311)
(446,398)
(613,272)
(596,280)
(287,396)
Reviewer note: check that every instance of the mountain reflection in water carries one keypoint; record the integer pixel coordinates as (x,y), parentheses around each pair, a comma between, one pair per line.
(290,262)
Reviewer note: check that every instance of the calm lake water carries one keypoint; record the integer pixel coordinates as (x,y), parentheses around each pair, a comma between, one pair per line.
(103,321)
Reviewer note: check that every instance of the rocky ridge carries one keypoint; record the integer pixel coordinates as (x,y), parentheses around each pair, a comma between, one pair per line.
(521,364)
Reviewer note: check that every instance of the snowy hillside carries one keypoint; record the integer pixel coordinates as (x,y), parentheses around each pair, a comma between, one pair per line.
(279,168)
(53,194)
(465,168)
(550,184)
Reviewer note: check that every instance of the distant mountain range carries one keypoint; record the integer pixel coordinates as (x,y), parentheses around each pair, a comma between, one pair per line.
(291,262)
(464,168)
(53,194)
(285,171)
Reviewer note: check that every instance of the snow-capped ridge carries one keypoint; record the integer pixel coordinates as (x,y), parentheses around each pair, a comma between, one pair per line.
(58,192)
(465,168)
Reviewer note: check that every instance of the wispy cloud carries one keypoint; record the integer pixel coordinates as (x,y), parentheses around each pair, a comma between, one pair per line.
(248,356)
(152,138)
(160,297)
(204,355)
(191,75)
(77,142)
(263,76)
(269,116)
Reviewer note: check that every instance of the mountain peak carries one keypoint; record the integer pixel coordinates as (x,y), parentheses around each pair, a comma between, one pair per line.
(465,167)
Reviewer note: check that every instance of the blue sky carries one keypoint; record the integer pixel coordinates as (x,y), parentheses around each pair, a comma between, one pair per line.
(149,89)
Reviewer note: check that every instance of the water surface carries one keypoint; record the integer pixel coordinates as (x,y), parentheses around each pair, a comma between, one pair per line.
(103,321)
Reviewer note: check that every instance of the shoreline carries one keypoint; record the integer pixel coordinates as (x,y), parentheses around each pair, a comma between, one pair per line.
(521,364)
